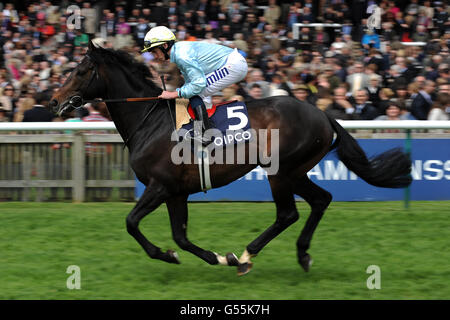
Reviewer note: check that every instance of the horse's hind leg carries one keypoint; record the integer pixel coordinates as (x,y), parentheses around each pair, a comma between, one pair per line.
(178,213)
(151,199)
(286,215)
(318,199)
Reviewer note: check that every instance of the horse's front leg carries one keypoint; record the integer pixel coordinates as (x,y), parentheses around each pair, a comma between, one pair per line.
(178,213)
(151,199)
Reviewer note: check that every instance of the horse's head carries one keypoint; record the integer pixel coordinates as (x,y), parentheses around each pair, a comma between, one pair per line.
(83,83)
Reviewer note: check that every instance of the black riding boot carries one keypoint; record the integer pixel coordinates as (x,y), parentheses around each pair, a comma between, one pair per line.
(202,115)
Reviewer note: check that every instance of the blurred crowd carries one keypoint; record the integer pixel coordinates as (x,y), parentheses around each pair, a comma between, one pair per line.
(400,69)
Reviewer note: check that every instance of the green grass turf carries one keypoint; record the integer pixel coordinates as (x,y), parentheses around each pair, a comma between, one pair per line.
(38,241)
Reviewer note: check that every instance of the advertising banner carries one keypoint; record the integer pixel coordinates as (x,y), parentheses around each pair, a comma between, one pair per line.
(430,172)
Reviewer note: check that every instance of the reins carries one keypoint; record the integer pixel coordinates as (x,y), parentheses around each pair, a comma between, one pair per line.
(141,123)
(122,100)
(143,99)
(78,100)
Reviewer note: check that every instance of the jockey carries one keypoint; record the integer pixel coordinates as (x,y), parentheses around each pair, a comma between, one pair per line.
(207,68)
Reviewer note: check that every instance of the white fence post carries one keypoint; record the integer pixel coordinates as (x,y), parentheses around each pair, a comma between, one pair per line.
(78,168)
(26,174)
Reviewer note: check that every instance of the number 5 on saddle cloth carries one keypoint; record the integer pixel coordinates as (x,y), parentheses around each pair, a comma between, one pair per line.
(230,118)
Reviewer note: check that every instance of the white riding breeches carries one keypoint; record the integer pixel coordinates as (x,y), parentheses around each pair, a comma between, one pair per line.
(234,70)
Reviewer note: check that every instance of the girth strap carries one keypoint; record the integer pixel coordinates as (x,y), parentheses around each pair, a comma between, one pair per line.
(203,168)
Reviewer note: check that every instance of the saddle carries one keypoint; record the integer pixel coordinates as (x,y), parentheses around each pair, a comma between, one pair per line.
(233,127)
(210,111)
(230,118)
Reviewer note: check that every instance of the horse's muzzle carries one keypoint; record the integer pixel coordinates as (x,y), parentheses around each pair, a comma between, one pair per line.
(53,105)
(67,106)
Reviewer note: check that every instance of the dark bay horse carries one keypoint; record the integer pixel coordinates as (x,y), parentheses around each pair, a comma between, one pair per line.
(305,137)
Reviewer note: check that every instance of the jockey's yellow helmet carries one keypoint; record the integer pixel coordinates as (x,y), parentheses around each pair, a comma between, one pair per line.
(158,36)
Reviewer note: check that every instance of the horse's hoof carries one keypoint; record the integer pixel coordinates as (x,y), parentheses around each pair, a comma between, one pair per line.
(232,260)
(306,262)
(173,257)
(244,268)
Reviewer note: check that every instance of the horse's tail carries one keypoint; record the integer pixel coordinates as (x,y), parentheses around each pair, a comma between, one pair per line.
(391,169)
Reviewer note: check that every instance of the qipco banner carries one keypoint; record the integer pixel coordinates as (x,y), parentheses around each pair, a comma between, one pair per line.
(430,172)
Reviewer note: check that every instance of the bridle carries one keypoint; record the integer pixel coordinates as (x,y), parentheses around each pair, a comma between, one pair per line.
(76,101)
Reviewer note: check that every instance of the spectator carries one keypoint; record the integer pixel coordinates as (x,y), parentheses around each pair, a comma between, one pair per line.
(440,18)
(140,31)
(413,7)
(370,40)
(269,70)
(362,108)
(307,16)
(375,58)
(3,116)
(421,35)
(280,81)
(387,32)
(94,112)
(123,34)
(226,34)
(358,80)
(306,39)
(109,22)
(257,77)
(330,15)
(272,13)
(235,13)
(255,92)
(444,72)
(393,112)
(90,17)
(384,97)
(23,104)
(323,96)
(39,113)
(406,95)
(428,12)
(240,43)
(81,39)
(444,87)
(423,101)
(302,93)
(8,100)
(293,15)
(322,40)
(340,108)
(333,80)
(373,89)
(438,109)
(135,15)
(338,43)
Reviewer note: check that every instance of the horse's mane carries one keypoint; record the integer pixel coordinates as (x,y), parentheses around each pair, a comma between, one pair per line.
(138,69)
